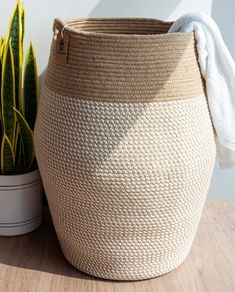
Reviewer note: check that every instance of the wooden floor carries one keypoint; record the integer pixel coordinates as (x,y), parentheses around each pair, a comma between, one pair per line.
(34,262)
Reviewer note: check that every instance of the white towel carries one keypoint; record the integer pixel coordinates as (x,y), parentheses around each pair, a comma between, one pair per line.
(218,70)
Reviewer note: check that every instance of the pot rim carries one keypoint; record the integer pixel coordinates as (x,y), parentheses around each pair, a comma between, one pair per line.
(20,179)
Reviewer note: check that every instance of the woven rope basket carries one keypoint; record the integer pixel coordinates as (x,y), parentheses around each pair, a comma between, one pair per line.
(125,145)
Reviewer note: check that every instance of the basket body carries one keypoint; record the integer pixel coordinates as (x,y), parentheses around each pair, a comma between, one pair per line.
(125,146)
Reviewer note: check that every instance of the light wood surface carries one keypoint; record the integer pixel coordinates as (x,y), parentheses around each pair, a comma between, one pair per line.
(34,262)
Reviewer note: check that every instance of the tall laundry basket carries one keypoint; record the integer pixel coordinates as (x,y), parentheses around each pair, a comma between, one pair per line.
(125,145)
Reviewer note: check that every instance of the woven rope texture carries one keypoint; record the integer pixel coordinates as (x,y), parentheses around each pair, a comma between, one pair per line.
(125,146)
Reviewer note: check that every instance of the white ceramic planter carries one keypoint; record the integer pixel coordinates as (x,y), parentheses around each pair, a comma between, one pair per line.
(20,203)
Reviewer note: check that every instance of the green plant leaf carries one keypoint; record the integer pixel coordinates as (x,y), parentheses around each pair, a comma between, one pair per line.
(8,94)
(1,53)
(27,140)
(30,87)
(1,133)
(14,34)
(2,50)
(7,157)
(19,163)
(19,155)
(22,29)
(1,125)
(1,41)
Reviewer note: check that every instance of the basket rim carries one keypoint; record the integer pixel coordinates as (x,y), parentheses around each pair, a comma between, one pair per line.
(60,24)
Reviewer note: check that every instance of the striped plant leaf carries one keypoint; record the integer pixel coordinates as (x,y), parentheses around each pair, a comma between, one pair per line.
(27,140)
(1,59)
(19,155)
(14,34)
(1,53)
(8,94)
(7,156)
(22,29)
(30,87)
(2,50)
(1,126)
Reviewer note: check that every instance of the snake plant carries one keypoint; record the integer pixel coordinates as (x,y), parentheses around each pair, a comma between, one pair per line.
(19,98)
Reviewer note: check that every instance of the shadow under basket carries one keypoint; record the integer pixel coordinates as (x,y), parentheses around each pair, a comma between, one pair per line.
(125,145)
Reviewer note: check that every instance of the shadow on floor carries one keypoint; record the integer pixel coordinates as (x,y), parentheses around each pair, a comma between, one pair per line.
(40,251)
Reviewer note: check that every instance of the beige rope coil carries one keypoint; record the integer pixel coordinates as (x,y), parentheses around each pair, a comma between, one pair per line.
(125,146)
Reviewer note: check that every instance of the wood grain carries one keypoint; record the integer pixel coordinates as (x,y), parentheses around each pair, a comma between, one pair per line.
(34,262)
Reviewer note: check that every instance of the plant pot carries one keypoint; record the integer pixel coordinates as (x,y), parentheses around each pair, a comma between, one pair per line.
(124,144)
(20,203)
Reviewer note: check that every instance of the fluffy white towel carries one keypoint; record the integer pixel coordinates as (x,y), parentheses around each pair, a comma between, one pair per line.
(218,70)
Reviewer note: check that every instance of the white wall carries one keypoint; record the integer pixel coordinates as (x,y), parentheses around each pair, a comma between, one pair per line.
(40,15)
(223,12)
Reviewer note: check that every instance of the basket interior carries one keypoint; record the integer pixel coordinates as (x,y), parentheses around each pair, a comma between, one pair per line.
(122,26)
